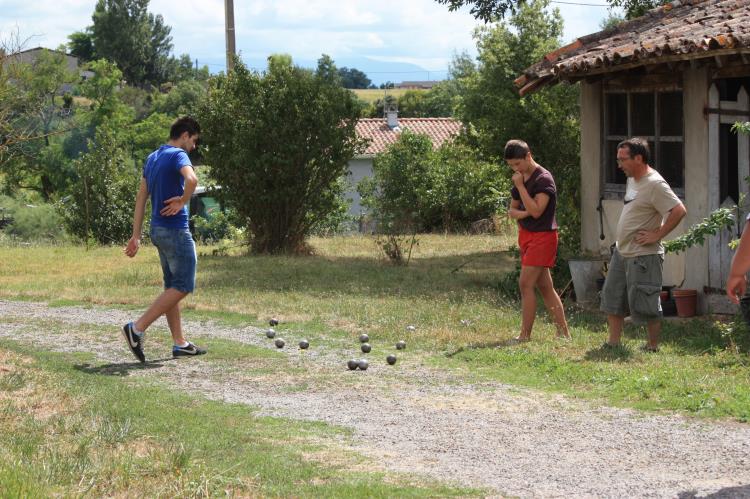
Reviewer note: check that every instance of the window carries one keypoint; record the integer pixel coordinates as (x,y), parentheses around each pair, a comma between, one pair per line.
(654,116)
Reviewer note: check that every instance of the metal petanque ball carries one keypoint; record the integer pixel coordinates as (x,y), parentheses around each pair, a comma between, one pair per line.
(279,343)
(270,333)
(304,344)
(363,364)
(363,338)
(352,364)
(273,322)
(401,345)
(411,329)
(391,359)
(366,347)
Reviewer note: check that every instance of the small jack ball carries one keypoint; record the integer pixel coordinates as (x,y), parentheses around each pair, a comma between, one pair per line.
(391,359)
(279,343)
(304,344)
(363,364)
(366,347)
(363,338)
(270,333)
(401,345)
(352,364)
(273,322)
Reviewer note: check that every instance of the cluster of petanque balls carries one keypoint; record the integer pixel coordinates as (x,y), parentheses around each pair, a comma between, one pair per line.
(352,364)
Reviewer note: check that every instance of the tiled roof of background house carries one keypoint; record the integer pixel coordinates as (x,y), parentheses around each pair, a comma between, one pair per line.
(381,135)
(681,30)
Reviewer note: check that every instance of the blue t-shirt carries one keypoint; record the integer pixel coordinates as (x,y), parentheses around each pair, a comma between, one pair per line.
(164,181)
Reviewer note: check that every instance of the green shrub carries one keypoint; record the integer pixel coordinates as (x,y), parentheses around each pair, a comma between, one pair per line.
(31,221)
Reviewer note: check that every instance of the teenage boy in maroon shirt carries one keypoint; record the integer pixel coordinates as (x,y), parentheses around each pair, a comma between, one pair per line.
(534,198)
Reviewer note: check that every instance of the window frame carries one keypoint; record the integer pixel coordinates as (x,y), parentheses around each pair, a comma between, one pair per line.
(617,191)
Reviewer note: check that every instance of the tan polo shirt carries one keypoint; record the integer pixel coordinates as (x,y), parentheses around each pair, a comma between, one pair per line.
(647,202)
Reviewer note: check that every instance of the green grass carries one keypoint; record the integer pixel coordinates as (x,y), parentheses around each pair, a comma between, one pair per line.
(70,431)
(370,95)
(347,289)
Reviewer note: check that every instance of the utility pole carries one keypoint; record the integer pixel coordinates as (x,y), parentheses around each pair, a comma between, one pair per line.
(229,15)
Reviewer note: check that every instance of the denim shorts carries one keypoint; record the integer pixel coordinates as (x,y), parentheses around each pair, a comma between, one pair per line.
(633,285)
(178,258)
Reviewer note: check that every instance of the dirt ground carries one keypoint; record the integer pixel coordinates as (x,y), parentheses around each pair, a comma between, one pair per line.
(415,419)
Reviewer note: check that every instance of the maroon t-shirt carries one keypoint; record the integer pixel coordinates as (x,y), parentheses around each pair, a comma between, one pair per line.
(540,181)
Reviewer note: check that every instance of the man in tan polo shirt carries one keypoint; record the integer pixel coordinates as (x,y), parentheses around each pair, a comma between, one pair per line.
(634,279)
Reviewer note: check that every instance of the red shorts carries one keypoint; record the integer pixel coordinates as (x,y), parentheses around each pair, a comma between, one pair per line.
(538,249)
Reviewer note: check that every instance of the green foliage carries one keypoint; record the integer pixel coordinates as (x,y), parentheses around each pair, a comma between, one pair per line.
(353,78)
(278,143)
(494,10)
(722,218)
(214,228)
(183,99)
(416,188)
(31,220)
(81,45)
(100,204)
(548,121)
(139,43)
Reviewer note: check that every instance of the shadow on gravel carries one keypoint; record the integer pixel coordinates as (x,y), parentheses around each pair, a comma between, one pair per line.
(121,369)
(741,492)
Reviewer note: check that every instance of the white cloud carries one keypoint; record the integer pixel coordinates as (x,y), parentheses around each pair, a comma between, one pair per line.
(422,32)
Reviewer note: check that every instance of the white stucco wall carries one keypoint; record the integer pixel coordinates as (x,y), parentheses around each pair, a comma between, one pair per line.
(359,168)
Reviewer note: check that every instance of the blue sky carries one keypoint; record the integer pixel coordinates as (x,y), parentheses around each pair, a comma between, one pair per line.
(389,39)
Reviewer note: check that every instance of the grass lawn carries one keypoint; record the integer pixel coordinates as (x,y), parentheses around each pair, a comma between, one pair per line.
(64,432)
(346,289)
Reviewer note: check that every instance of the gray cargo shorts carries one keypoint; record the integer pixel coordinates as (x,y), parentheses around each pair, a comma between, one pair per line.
(632,286)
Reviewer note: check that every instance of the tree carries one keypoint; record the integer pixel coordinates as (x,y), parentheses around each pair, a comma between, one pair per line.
(139,43)
(81,45)
(547,120)
(495,10)
(31,111)
(101,202)
(354,78)
(278,143)
(183,99)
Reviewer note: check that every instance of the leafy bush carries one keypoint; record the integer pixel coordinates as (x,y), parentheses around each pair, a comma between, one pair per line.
(416,189)
(100,205)
(31,221)
(278,143)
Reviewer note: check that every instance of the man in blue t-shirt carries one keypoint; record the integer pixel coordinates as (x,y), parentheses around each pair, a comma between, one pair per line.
(169,181)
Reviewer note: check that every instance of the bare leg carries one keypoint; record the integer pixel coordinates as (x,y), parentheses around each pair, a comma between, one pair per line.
(164,303)
(552,302)
(527,283)
(175,324)
(654,329)
(615,328)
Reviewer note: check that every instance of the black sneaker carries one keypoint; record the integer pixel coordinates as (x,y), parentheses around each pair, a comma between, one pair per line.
(187,351)
(135,341)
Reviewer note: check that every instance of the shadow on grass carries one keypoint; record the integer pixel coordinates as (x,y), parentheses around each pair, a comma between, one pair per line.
(725,493)
(429,276)
(481,346)
(122,368)
(609,354)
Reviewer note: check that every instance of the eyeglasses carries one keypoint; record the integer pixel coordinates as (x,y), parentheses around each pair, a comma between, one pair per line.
(622,160)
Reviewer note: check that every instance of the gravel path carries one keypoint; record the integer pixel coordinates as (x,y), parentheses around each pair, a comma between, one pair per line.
(513,442)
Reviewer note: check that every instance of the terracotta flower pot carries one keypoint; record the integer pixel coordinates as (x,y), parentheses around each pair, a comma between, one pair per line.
(686,301)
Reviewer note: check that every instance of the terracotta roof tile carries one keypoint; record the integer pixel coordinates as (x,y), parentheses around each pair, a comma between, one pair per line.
(381,135)
(683,29)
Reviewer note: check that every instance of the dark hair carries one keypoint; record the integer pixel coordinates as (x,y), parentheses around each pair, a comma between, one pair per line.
(516,149)
(635,146)
(182,125)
